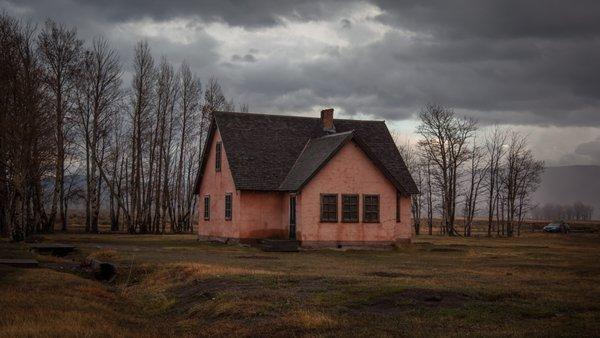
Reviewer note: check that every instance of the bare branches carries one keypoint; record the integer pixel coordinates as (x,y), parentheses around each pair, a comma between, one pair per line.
(60,56)
(444,143)
(64,115)
(99,96)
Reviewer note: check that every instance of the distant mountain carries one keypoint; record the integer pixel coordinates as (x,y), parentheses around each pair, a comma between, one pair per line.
(568,184)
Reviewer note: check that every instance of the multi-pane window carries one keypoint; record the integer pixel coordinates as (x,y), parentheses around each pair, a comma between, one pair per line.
(228,207)
(329,208)
(206,207)
(218,157)
(349,208)
(370,208)
(398,200)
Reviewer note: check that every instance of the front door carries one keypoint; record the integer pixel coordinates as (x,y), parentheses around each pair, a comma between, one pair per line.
(292,217)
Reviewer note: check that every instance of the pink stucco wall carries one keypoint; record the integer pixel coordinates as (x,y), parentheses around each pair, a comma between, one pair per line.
(255,214)
(266,214)
(261,216)
(217,184)
(352,172)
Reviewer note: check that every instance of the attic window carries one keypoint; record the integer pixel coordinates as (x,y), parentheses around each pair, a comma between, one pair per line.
(329,208)
(371,208)
(218,157)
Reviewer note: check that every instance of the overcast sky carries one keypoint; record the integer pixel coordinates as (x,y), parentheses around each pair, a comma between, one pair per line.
(533,65)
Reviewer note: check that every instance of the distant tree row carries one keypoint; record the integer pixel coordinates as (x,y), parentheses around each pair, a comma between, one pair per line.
(65,114)
(577,211)
(458,168)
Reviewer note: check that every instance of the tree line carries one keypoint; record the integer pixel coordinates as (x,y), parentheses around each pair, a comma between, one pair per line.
(577,211)
(67,117)
(458,168)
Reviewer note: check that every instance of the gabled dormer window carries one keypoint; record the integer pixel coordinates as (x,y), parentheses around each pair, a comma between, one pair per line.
(218,157)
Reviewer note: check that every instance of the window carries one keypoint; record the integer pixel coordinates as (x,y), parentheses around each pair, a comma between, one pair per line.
(218,157)
(398,201)
(371,208)
(349,208)
(228,207)
(207,207)
(329,208)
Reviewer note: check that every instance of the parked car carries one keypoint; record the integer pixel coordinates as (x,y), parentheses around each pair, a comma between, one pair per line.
(557,227)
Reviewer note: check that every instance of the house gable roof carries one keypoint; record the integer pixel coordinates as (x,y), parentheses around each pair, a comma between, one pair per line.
(316,153)
(263,149)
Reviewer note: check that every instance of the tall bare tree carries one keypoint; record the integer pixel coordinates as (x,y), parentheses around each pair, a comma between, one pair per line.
(495,145)
(520,179)
(445,143)
(191,92)
(59,51)
(142,104)
(415,165)
(98,97)
(476,175)
(25,155)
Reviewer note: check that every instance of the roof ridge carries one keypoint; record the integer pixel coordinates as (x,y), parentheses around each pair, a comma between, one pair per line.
(291,116)
(343,133)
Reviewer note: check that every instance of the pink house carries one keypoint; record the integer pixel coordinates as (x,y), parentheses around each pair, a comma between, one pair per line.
(317,181)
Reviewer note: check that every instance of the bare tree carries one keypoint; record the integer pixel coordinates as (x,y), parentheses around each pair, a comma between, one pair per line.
(98,97)
(59,51)
(142,103)
(415,165)
(190,108)
(444,143)
(495,148)
(520,178)
(476,176)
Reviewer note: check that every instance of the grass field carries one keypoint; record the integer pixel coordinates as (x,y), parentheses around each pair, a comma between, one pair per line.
(172,285)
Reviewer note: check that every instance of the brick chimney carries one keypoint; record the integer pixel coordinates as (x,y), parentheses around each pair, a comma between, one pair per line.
(327,120)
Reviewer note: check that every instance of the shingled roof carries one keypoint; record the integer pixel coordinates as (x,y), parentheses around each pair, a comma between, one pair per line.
(279,153)
(314,156)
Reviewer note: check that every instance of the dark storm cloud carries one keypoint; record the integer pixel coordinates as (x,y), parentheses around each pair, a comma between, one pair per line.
(249,14)
(506,19)
(518,62)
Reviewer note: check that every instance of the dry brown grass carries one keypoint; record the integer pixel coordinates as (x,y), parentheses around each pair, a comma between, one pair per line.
(537,285)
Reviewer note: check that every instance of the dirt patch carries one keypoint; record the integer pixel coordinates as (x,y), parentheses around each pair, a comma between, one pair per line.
(409,299)
(70,267)
(190,294)
(257,257)
(387,274)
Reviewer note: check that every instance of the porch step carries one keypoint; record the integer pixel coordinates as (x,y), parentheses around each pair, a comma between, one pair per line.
(279,245)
